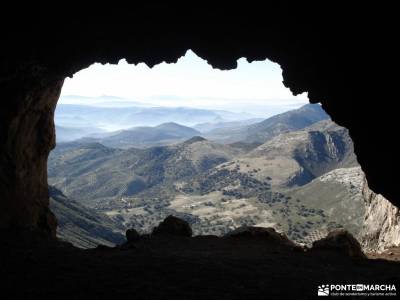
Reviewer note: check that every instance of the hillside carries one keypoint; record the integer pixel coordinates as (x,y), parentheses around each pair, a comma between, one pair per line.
(338,194)
(306,213)
(145,136)
(263,131)
(268,186)
(209,126)
(82,226)
(295,158)
(93,172)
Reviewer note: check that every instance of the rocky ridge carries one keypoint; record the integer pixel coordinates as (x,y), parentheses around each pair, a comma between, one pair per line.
(381,227)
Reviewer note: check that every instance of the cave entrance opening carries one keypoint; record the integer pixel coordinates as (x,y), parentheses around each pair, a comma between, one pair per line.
(219,149)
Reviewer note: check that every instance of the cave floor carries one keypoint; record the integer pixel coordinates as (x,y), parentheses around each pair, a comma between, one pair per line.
(184,268)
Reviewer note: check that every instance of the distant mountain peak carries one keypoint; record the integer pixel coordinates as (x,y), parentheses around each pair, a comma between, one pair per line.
(312,106)
(171,124)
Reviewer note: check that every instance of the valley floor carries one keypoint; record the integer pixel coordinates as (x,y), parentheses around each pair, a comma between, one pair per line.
(181,268)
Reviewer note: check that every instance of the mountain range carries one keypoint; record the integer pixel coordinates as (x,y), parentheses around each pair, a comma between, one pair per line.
(283,173)
(245,130)
(262,131)
(78,117)
(145,136)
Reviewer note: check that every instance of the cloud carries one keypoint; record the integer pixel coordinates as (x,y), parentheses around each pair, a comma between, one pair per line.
(189,82)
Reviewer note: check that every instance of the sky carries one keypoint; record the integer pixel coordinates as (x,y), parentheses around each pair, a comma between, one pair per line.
(255,87)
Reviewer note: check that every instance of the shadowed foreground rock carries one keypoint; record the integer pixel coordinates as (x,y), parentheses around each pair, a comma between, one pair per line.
(173,226)
(268,234)
(132,235)
(340,241)
(172,267)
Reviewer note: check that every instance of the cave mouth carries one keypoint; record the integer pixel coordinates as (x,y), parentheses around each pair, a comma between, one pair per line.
(337,54)
(312,58)
(219,149)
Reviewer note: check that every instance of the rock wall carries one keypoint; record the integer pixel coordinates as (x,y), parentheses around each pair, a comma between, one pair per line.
(381,227)
(27,136)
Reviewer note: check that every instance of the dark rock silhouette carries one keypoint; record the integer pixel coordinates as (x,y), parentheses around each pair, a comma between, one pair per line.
(163,267)
(252,232)
(173,226)
(132,235)
(340,241)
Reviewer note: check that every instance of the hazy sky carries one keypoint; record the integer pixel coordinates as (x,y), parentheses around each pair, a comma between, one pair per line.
(253,87)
